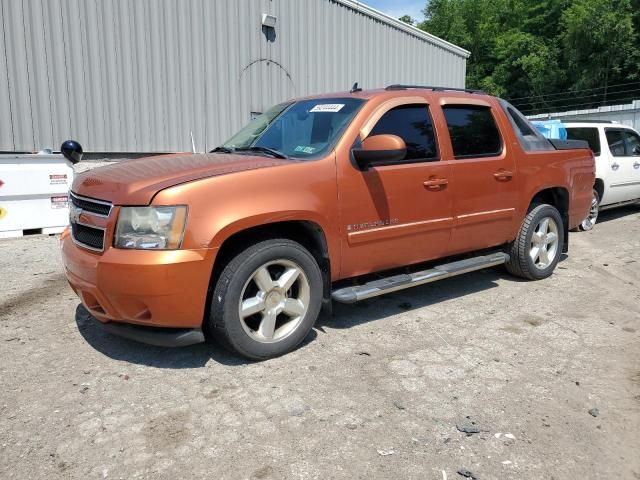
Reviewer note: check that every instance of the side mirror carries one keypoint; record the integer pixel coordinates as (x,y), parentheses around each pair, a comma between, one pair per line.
(379,150)
(72,151)
(636,150)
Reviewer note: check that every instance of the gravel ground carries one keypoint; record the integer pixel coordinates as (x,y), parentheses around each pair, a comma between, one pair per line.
(380,390)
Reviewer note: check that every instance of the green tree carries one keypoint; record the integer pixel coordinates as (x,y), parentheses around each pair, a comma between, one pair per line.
(407,19)
(546,54)
(600,43)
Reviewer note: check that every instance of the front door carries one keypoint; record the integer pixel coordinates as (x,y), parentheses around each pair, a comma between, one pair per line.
(622,172)
(484,178)
(401,212)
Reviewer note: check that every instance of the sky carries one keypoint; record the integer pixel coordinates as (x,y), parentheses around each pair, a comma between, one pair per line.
(397,8)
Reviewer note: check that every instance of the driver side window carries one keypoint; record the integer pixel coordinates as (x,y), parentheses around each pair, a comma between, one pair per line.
(413,124)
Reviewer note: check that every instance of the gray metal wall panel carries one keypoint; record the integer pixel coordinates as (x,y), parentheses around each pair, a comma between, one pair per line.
(141,75)
(6,122)
(18,84)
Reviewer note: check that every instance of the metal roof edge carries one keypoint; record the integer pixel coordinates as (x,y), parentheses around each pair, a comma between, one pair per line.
(620,107)
(410,29)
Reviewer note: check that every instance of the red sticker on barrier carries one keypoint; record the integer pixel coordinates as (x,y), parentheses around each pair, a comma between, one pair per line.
(61,201)
(58,179)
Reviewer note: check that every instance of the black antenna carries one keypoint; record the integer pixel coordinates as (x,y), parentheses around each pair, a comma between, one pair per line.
(355,88)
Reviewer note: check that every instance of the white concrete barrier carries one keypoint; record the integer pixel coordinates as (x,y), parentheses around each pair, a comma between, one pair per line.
(34,194)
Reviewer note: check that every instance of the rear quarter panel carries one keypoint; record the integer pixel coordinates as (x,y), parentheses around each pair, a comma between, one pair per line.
(573,170)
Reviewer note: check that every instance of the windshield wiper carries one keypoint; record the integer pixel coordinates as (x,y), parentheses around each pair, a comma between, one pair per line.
(222,149)
(268,150)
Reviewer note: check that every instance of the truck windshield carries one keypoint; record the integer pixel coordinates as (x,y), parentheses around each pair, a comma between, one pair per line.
(300,129)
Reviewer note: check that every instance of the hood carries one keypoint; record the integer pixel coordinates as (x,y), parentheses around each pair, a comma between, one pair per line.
(135,182)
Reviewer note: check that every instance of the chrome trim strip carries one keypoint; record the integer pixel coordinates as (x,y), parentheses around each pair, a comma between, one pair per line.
(610,206)
(84,245)
(626,184)
(92,200)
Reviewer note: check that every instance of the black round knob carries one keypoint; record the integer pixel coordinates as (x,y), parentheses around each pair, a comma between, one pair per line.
(72,151)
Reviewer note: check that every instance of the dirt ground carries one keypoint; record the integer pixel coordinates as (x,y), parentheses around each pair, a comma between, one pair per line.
(378,391)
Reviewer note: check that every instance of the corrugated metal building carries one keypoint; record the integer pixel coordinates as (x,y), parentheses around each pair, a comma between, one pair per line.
(141,75)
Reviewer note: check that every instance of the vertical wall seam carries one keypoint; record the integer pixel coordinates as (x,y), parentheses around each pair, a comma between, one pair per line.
(84,71)
(116,44)
(33,130)
(64,50)
(46,62)
(6,62)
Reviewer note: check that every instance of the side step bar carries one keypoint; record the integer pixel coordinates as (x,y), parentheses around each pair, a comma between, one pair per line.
(404,280)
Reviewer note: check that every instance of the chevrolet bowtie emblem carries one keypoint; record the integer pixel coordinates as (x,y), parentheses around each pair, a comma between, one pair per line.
(74,213)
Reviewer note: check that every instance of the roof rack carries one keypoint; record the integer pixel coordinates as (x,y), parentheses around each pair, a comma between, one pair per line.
(399,86)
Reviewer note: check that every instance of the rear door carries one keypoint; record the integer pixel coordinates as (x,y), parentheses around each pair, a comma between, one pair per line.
(622,173)
(632,150)
(483,176)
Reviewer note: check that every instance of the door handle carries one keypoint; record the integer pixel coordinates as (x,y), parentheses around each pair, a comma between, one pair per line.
(503,175)
(636,165)
(615,166)
(436,183)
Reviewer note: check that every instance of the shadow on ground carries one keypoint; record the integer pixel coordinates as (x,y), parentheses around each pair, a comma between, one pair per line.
(379,308)
(616,213)
(194,356)
(343,317)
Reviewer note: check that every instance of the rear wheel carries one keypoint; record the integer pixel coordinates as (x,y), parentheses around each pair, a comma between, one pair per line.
(266,299)
(537,249)
(589,222)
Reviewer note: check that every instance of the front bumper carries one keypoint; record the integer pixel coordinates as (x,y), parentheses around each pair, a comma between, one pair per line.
(149,288)
(160,337)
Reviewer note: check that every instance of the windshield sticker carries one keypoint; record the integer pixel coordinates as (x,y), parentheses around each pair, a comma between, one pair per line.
(327,107)
(303,149)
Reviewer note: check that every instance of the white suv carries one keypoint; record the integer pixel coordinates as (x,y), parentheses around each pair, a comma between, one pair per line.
(617,151)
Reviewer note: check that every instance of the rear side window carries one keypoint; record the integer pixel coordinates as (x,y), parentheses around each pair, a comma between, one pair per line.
(632,143)
(413,124)
(615,139)
(588,134)
(529,137)
(473,131)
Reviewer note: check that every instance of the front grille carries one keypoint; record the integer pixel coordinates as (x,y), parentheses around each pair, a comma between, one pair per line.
(98,207)
(89,237)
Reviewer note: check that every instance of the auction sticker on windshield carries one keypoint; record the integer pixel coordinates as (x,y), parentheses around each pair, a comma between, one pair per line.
(327,107)
(303,149)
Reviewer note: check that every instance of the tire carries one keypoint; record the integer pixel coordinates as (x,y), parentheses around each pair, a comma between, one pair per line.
(521,251)
(589,222)
(260,307)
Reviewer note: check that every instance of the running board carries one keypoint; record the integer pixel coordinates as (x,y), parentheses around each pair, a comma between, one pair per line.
(626,203)
(404,280)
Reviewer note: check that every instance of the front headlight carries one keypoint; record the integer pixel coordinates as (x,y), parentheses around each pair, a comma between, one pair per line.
(150,228)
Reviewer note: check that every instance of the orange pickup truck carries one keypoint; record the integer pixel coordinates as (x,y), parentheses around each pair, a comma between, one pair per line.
(248,242)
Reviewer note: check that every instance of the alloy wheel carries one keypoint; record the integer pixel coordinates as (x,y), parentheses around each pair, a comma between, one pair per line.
(544,243)
(589,222)
(274,301)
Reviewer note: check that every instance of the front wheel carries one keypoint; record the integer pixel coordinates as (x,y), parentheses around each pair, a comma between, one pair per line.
(536,251)
(266,299)
(589,222)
